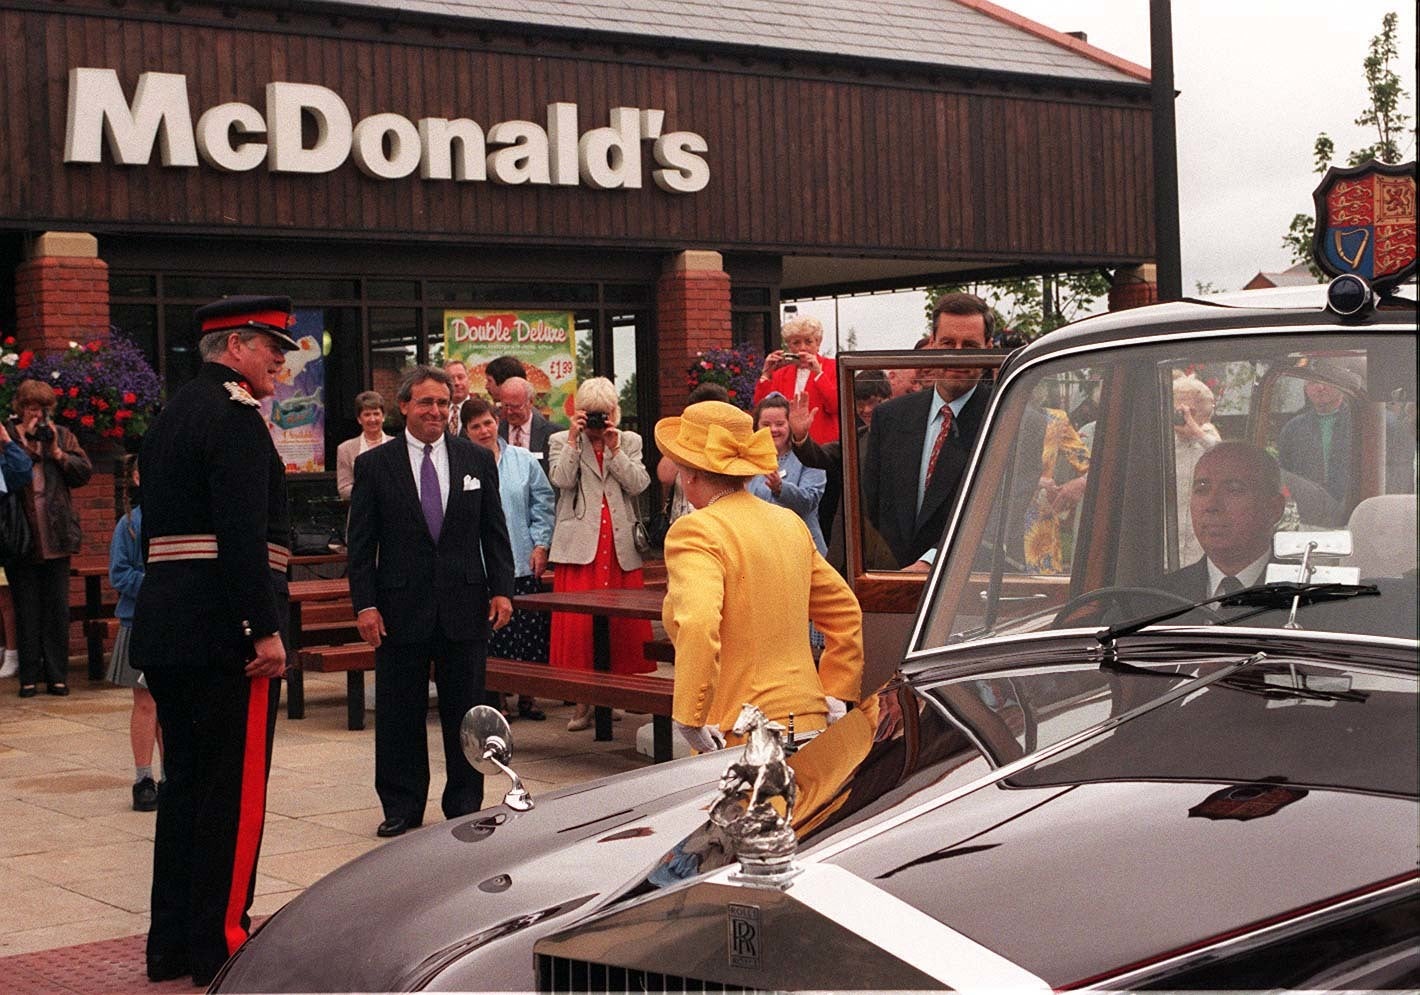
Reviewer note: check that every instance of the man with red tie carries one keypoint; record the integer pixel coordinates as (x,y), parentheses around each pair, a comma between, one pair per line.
(918,446)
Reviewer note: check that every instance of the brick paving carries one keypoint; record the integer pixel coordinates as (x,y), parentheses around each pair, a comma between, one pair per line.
(75,859)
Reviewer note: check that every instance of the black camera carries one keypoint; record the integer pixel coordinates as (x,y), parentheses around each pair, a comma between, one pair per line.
(43,431)
(790,357)
(1178,417)
(596,419)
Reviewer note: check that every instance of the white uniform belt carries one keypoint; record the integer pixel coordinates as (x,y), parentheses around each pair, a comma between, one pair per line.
(166,549)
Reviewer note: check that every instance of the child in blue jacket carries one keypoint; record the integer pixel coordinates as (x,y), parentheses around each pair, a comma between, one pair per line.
(125,573)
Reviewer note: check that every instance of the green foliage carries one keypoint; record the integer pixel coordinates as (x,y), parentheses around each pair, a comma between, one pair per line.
(1383,85)
(1020,302)
(627,398)
(1204,287)
(584,358)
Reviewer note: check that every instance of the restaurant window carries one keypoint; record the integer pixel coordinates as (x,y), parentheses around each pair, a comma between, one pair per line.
(751,317)
(394,341)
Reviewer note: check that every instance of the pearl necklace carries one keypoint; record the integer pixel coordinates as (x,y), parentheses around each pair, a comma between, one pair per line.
(720,495)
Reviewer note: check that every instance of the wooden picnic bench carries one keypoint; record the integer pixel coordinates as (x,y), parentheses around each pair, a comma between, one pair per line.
(644,693)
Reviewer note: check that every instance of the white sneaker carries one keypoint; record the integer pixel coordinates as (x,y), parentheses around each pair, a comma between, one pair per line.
(11,666)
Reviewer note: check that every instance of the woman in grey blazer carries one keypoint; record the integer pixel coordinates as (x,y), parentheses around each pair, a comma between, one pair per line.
(370,413)
(596,469)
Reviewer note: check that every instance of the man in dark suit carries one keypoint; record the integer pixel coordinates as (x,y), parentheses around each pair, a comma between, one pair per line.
(430,568)
(1316,443)
(522,425)
(1236,502)
(918,446)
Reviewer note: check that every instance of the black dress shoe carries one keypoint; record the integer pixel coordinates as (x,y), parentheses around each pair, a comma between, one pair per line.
(395,825)
(58,690)
(145,796)
(527,710)
(166,967)
(28,691)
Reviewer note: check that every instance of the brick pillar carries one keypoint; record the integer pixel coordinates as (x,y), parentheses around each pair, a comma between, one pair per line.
(692,314)
(61,292)
(1134,286)
(61,296)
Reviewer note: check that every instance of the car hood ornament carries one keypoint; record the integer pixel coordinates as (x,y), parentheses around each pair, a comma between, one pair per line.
(764,841)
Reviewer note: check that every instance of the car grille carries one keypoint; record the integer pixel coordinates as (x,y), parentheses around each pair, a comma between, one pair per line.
(560,974)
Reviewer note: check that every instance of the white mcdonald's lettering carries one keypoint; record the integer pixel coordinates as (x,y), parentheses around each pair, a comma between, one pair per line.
(385,145)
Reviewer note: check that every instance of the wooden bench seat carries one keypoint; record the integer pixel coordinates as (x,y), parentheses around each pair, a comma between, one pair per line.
(103,629)
(316,612)
(645,693)
(660,650)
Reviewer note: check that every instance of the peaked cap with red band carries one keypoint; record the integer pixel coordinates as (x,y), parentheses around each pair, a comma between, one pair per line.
(271,315)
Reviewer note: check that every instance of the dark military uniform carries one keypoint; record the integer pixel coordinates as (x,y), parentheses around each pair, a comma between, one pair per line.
(215,529)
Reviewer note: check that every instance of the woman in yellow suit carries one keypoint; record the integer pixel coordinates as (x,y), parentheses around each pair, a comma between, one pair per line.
(744,580)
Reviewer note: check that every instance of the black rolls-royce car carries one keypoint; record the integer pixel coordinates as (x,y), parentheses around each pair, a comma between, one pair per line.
(1086,767)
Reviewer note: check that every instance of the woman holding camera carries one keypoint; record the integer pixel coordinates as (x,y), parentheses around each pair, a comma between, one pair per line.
(597,471)
(41,584)
(799,369)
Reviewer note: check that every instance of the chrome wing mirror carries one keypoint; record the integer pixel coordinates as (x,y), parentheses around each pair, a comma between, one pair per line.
(487,742)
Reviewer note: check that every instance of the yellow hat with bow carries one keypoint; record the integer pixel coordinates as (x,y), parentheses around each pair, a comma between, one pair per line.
(718,438)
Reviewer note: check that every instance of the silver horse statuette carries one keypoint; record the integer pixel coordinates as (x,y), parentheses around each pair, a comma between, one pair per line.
(764,841)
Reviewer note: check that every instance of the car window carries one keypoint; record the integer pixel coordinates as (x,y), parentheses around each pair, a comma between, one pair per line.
(1117,483)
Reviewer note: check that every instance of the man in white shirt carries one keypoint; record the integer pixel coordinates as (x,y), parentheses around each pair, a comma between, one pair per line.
(431,573)
(1236,502)
(458,377)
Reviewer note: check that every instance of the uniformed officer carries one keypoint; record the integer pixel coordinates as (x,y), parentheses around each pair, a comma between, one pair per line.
(207,631)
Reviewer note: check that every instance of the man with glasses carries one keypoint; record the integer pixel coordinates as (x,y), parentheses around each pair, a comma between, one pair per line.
(521,424)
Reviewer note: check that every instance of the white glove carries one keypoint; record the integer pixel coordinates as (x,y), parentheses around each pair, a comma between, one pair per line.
(702,739)
(836,709)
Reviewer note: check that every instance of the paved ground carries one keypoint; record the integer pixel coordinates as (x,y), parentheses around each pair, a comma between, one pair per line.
(75,859)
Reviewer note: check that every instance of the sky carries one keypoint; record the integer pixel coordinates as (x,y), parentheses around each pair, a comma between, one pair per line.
(1256,81)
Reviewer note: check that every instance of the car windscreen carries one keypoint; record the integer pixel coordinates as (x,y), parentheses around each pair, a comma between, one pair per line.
(1118,481)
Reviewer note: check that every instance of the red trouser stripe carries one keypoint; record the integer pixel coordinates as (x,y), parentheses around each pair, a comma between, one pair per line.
(252,813)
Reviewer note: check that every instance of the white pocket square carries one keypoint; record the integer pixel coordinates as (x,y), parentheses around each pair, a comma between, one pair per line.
(471,483)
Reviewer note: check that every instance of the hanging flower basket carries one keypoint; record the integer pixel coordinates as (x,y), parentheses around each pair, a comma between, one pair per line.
(104,388)
(735,369)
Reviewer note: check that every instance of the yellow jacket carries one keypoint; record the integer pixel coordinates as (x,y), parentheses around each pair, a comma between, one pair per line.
(744,579)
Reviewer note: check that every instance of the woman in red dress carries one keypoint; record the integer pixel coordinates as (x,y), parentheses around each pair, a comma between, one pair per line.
(597,472)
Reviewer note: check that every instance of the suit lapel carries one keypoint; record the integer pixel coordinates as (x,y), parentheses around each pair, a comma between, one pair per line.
(405,476)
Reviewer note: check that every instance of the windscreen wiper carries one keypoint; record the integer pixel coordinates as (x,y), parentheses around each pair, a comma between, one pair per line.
(1261,598)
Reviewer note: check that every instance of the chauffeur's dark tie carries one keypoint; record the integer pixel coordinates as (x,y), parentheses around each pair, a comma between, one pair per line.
(1228,585)
(429,494)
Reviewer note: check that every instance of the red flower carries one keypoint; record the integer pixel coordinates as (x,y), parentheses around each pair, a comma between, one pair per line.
(70,413)
(129,397)
(731,393)
(94,346)
(88,380)
(73,391)
(26,358)
(87,421)
(9,340)
(122,414)
(100,403)
(114,433)
(704,365)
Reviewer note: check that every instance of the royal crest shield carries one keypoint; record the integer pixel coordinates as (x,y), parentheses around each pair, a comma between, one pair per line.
(1365,222)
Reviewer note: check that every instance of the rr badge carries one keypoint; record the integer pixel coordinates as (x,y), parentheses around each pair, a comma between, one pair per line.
(744,936)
